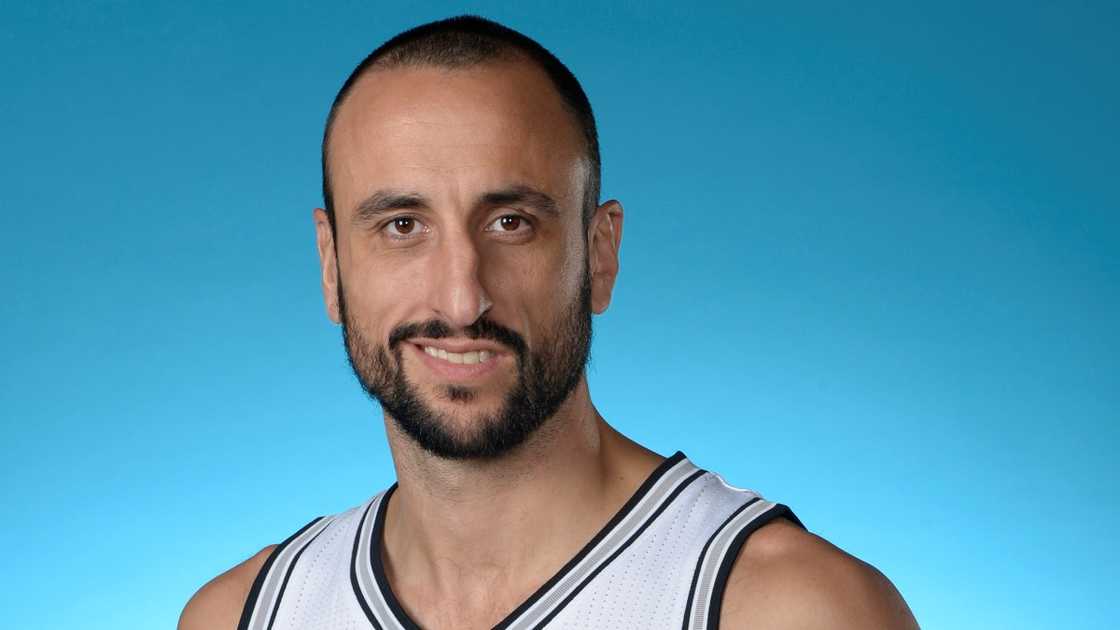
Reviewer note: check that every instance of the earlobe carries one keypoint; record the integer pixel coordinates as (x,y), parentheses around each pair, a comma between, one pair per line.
(328,263)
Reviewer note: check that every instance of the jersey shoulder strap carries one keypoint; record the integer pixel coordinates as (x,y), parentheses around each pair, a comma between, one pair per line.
(268,587)
(709,578)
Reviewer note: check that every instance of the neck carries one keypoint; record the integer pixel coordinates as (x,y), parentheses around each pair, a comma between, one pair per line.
(485,535)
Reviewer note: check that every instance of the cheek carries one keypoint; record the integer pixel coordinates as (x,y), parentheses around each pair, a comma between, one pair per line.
(381,296)
(541,292)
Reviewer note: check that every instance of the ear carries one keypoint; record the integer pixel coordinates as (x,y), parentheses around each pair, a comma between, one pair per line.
(604,237)
(328,262)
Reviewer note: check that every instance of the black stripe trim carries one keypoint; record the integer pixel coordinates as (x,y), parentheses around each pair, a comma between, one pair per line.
(716,605)
(653,517)
(631,503)
(621,514)
(382,583)
(258,582)
(354,569)
(288,575)
(704,552)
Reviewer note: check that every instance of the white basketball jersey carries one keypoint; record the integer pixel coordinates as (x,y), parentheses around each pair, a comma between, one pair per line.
(661,562)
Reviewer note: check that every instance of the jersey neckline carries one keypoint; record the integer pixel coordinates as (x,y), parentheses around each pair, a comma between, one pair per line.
(383,609)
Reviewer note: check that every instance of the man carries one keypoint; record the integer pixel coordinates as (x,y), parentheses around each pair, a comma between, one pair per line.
(463,249)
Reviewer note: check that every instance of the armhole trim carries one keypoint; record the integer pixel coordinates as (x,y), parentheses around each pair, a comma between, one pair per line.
(777,511)
(705,595)
(258,582)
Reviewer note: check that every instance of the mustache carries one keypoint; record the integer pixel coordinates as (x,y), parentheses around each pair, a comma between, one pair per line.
(482,328)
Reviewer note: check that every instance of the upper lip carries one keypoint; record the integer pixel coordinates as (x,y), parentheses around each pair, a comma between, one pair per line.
(459,346)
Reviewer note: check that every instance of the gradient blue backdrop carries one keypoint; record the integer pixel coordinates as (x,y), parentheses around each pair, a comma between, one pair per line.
(870,269)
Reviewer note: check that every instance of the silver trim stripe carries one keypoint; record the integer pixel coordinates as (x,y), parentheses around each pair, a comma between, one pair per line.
(648,504)
(702,598)
(366,581)
(266,600)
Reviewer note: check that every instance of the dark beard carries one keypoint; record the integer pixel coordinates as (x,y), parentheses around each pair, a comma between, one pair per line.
(545,378)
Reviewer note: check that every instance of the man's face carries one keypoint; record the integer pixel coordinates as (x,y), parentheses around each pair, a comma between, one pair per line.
(463,283)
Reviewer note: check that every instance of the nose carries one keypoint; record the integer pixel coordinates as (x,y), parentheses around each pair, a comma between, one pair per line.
(460,297)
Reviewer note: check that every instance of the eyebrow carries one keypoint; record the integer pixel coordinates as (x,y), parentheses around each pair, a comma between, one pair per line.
(522,195)
(386,201)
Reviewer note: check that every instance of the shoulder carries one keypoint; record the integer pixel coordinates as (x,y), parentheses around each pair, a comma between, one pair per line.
(786,577)
(217,605)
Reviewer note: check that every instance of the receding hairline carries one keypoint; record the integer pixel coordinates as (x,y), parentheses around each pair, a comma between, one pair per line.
(383,65)
(508,56)
(468,41)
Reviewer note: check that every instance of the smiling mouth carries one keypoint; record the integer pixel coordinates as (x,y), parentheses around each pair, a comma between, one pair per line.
(463,358)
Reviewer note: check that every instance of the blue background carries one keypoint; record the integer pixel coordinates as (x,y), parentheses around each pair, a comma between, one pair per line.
(870,269)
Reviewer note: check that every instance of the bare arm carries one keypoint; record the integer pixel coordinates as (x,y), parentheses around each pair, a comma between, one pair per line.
(217,605)
(786,578)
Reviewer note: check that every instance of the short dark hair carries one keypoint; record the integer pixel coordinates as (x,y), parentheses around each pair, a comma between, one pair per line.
(464,41)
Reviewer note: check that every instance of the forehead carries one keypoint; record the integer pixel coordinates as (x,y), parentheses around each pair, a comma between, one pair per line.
(455,132)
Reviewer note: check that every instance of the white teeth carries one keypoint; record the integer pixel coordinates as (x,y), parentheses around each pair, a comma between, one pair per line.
(470,358)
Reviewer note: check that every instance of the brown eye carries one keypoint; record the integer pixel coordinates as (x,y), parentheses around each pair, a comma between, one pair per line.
(512,224)
(401,228)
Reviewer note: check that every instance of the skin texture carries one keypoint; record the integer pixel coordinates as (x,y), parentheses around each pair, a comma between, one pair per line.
(472,538)
(787,578)
(218,603)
